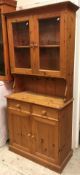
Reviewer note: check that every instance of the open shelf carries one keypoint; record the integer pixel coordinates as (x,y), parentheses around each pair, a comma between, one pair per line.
(21,47)
(47,45)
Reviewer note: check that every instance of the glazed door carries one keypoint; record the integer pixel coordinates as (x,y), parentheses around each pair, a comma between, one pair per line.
(49,44)
(45,136)
(20,33)
(20,129)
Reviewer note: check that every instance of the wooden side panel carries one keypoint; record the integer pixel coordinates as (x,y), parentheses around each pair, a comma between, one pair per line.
(70,43)
(65,132)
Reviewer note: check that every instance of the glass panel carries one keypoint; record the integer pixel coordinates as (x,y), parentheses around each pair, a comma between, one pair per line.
(2,67)
(22,58)
(21,44)
(21,33)
(49,58)
(49,43)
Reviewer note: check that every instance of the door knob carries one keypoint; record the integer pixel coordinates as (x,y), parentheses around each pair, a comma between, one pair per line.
(33,136)
(29,134)
(18,106)
(44,112)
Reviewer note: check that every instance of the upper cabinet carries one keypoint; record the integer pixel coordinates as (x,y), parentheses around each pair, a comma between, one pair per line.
(20,49)
(41,40)
(5,6)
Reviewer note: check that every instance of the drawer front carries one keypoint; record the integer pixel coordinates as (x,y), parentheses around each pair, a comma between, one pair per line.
(44,111)
(19,105)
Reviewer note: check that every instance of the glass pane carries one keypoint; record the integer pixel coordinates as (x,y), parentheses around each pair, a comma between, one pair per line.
(21,44)
(49,31)
(49,58)
(2,67)
(22,58)
(21,33)
(49,43)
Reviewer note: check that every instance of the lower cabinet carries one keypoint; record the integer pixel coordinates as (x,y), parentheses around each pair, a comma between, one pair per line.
(45,132)
(20,129)
(41,134)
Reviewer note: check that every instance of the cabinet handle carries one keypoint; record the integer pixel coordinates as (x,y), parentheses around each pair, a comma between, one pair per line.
(29,134)
(18,106)
(44,112)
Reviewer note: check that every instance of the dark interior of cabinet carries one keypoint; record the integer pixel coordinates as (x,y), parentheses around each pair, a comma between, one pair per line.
(50,58)
(2,67)
(49,31)
(22,58)
(40,85)
(21,33)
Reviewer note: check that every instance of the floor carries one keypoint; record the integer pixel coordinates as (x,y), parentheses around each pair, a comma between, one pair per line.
(13,164)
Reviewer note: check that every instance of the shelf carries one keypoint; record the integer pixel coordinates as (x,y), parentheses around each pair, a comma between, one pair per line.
(21,47)
(50,45)
(53,102)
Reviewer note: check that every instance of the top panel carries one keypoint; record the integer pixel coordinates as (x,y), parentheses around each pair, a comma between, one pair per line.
(8,2)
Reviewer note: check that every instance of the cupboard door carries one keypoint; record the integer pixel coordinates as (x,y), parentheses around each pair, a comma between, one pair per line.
(49,42)
(45,136)
(21,44)
(20,129)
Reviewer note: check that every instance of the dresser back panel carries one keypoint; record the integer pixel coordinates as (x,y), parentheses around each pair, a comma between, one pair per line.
(40,85)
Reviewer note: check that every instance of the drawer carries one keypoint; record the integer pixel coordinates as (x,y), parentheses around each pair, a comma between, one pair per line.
(19,105)
(44,111)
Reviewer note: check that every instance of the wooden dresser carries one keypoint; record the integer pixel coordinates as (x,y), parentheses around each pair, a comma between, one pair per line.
(41,48)
(5,6)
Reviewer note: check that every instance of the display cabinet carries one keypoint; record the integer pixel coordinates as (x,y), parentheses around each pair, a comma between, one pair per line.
(41,48)
(5,6)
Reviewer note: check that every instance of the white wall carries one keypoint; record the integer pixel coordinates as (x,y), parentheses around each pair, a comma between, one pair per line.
(34,3)
(76,93)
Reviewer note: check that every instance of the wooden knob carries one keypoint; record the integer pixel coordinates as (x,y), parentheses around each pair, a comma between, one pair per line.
(18,105)
(33,136)
(44,112)
(29,134)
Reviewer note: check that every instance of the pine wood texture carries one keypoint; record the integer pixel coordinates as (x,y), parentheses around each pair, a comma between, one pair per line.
(53,102)
(41,48)
(40,131)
